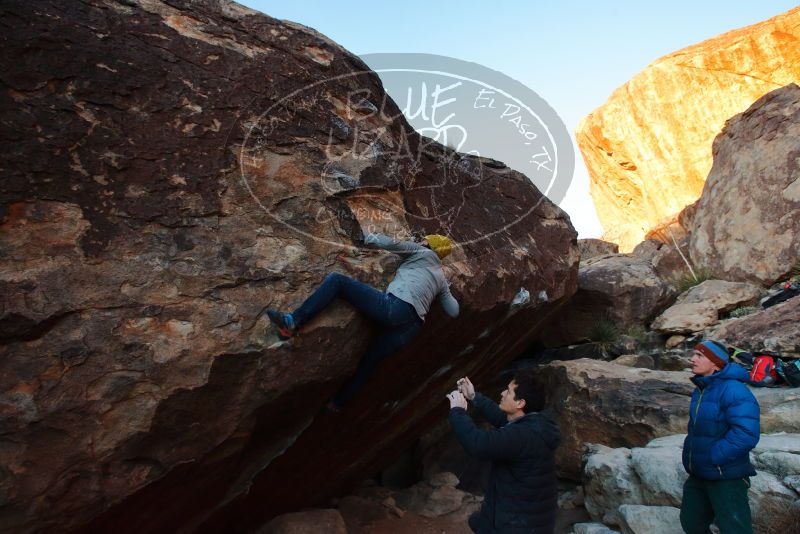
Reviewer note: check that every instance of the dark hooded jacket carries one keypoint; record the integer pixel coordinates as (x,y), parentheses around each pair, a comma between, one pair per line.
(523,492)
(723,426)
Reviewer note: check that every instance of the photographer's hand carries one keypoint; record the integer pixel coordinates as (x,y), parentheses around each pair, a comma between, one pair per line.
(457,400)
(466,388)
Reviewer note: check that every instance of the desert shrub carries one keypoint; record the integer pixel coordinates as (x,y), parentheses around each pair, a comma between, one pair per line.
(637,332)
(604,332)
(691,279)
(794,274)
(777,516)
(742,311)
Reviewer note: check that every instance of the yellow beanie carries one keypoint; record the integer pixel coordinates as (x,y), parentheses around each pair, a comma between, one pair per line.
(440,244)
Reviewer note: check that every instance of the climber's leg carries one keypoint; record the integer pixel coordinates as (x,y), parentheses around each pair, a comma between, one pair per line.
(386,342)
(371,302)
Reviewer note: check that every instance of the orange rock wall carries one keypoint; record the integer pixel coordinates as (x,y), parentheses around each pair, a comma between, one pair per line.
(648,148)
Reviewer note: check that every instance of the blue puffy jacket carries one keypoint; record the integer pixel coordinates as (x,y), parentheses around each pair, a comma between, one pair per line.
(723,426)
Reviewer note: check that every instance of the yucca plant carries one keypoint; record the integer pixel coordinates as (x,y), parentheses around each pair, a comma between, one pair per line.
(692,278)
(604,332)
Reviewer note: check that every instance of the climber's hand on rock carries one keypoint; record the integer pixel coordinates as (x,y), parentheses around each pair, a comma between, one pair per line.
(457,400)
(466,388)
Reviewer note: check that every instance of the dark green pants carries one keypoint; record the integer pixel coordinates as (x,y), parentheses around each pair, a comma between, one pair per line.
(723,502)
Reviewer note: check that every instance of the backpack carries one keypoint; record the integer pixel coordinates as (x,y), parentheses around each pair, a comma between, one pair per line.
(789,290)
(789,370)
(742,357)
(763,373)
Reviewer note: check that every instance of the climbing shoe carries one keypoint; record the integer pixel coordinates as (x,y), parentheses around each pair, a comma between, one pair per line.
(284,322)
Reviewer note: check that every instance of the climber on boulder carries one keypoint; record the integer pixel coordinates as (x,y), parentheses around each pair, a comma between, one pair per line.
(399,311)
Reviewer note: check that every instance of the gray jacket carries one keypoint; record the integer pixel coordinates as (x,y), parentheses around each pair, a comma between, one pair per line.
(420,278)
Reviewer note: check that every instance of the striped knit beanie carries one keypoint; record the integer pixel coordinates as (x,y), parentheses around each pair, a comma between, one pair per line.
(714,352)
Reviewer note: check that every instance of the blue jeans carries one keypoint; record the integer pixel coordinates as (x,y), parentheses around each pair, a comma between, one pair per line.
(397,320)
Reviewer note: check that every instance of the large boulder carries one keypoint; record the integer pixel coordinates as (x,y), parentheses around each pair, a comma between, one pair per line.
(654,475)
(775,329)
(701,306)
(629,290)
(647,148)
(619,289)
(172,169)
(780,409)
(620,406)
(747,221)
(669,259)
(636,360)
(307,522)
(438,496)
(609,481)
(638,519)
(591,248)
(592,528)
(378,509)
(614,405)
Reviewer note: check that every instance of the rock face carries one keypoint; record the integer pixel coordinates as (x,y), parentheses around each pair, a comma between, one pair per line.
(617,481)
(171,170)
(667,260)
(637,519)
(381,510)
(434,505)
(616,405)
(647,148)
(592,528)
(645,361)
(619,289)
(438,496)
(775,329)
(591,248)
(747,223)
(619,406)
(308,522)
(701,306)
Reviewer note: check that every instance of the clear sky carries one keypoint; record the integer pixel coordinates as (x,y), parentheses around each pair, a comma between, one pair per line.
(572,53)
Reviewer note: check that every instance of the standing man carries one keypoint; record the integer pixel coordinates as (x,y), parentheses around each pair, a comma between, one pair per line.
(723,428)
(399,312)
(523,493)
